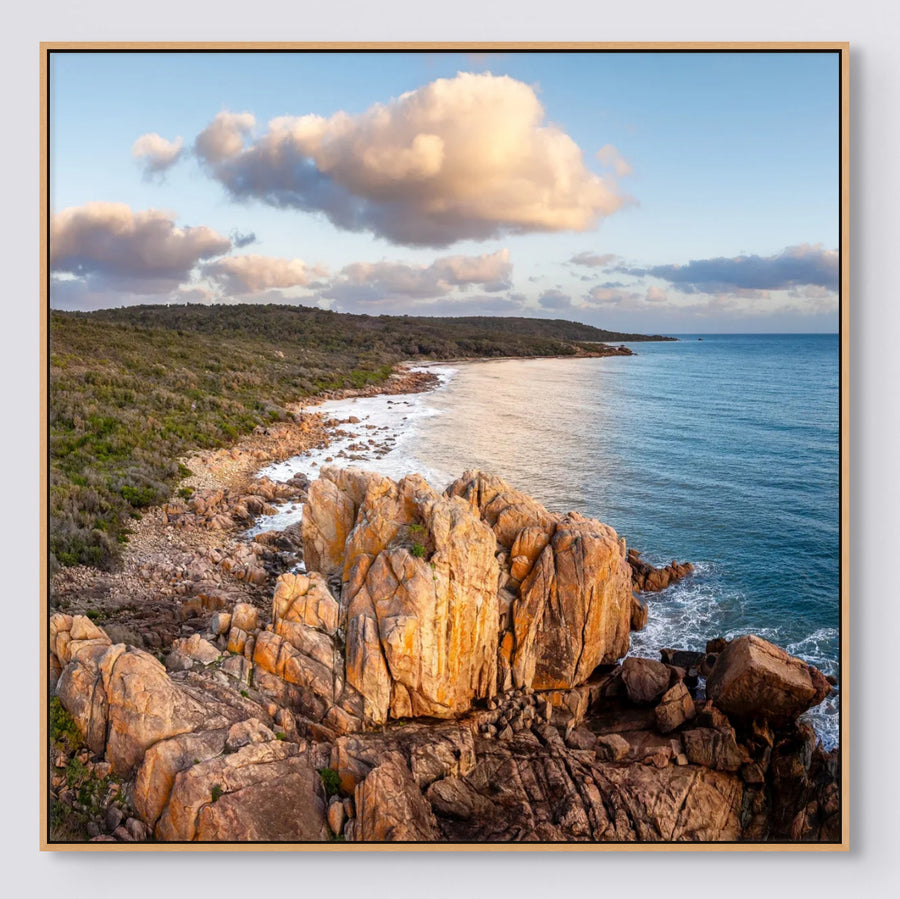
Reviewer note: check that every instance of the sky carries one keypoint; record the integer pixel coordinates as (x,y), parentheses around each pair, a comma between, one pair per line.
(651,192)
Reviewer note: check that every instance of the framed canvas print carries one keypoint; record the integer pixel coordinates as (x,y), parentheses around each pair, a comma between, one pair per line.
(444,446)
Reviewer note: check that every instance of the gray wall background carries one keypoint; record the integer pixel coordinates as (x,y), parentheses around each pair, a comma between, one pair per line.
(870,869)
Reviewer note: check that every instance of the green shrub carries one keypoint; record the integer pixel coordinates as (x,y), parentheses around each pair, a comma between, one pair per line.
(331,780)
(64,732)
(216,793)
(418,550)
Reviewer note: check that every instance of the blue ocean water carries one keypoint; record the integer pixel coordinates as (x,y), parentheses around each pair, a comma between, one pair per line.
(721,451)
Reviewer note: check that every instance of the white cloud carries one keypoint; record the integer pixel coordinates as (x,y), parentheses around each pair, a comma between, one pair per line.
(464,157)
(109,247)
(611,296)
(223,138)
(382,280)
(253,274)
(156,154)
(593,260)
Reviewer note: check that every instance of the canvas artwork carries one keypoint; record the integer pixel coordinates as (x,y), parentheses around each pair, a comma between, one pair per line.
(444,447)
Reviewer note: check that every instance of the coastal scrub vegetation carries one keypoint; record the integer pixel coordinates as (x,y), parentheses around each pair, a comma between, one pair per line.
(134,389)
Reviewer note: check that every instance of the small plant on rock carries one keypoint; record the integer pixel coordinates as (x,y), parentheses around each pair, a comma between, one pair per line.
(331,780)
(217,792)
(418,550)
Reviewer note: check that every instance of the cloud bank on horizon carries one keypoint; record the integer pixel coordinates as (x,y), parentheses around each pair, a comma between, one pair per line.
(470,159)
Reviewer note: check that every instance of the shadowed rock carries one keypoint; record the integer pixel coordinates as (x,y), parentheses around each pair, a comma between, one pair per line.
(753,678)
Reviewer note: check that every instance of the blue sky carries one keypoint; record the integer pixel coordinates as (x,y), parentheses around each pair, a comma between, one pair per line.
(729,160)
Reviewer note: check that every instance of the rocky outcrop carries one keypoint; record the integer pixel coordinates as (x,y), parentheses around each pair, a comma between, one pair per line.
(752,678)
(221,508)
(450,674)
(645,679)
(266,790)
(418,585)
(647,579)
(391,808)
(120,697)
(610,760)
(566,604)
(420,577)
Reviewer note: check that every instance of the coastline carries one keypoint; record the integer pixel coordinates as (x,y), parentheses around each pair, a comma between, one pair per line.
(166,567)
(187,535)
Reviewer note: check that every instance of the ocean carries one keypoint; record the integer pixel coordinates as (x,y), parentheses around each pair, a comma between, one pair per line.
(721,451)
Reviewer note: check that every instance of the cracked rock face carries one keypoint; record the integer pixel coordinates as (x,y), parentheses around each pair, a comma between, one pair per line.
(438,679)
(120,697)
(419,594)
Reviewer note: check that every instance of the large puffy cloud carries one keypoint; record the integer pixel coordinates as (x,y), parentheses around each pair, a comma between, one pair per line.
(223,138)
(794,267)
(109,247)
(465,157)
(155,153)
(253,274)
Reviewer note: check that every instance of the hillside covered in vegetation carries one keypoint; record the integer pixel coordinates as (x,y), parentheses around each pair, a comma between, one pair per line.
(134,389)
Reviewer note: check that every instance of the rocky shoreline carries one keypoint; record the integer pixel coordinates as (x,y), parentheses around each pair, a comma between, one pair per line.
(449,667)
(188,558)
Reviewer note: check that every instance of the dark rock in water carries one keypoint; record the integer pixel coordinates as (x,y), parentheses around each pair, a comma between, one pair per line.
(647,579)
